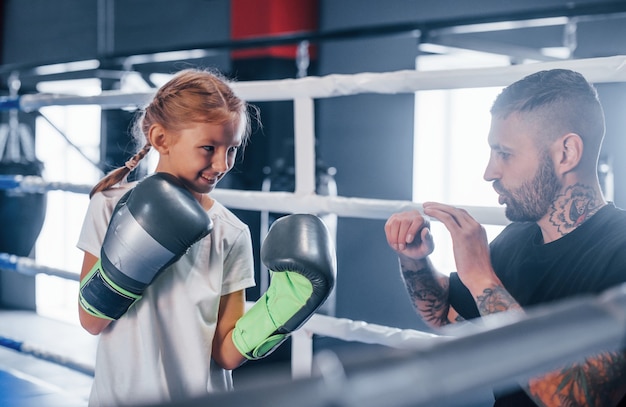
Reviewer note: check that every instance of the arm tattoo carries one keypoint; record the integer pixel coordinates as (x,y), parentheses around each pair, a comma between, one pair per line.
(496,299)
(428,295)
(599,381)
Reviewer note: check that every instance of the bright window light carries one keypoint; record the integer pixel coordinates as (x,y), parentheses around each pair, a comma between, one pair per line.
(450,149)
(56,246)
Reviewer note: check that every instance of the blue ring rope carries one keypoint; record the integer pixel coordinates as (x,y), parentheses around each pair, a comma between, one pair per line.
(36,184)
(29,267)
(9,102)
(40,353)
(9,182)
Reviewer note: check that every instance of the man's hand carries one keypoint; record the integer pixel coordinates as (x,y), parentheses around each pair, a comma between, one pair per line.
(408,233)
(473,262)
(469,242)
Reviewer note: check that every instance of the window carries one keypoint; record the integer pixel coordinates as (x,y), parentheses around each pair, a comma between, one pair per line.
(451,149)
(56,246)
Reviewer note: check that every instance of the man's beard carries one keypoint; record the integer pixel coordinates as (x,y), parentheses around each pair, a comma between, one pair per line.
(532,200)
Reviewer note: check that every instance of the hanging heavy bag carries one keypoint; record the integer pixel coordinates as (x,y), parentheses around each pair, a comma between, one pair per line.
(21,214)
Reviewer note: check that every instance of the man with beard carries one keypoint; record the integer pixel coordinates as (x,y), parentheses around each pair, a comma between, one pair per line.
(564,239)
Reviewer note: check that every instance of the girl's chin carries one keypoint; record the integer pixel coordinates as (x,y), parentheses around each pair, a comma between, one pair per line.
(205,188)
(200,187)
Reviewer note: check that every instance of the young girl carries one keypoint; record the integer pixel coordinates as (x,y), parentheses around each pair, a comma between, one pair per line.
(175,343)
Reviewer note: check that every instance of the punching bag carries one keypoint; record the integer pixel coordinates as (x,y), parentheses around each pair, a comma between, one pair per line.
(21,213)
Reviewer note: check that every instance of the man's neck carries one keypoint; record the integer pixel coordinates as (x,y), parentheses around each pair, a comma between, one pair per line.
(570,209)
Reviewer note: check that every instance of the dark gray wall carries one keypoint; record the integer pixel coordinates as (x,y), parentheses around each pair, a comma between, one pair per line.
(40,31)
(45,32)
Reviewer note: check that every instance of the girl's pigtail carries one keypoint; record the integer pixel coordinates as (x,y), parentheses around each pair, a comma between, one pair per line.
(120,174)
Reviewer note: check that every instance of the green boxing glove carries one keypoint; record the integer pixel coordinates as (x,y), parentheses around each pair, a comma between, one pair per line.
(300,255)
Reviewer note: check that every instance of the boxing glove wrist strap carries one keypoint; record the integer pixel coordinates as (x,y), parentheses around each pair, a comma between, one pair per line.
(262,329)
(101,297)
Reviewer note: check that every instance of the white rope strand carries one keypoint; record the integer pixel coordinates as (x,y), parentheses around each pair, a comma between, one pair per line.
(364,332)
(596,70)
(280,202)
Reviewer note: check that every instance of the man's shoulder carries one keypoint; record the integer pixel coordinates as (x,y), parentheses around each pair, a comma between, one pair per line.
(612,211)
(608,218)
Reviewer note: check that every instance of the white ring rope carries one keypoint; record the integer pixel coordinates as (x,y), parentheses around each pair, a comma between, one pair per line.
(282,202)
(365,332)
(598,70)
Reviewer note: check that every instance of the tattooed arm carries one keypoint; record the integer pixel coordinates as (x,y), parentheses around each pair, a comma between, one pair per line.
(496,299)
(408,233)
(599,381)
(428,291)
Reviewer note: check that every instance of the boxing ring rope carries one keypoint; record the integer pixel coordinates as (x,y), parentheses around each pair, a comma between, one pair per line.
(41,353)
(440,373)
(597,70)
(28,267)
(286,202)
(340,328)
(432,350)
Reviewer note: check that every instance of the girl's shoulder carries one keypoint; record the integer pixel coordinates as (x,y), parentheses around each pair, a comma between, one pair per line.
(225,216)
(113,194)
(105,201)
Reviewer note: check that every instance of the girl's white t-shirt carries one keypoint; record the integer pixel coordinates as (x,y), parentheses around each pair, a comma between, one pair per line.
(160,350)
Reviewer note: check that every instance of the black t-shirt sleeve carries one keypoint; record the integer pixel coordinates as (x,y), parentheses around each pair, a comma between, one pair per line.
(461,299)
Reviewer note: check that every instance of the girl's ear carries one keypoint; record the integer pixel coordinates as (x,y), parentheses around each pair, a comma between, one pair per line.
(158,138)
(570,152)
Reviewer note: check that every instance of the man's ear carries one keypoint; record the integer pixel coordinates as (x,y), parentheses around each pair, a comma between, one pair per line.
(158,138)
(570,151)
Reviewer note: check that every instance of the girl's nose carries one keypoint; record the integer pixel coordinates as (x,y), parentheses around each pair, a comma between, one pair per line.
(220,162)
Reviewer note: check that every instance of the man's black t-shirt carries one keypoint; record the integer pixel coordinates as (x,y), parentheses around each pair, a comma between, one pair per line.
(588,260)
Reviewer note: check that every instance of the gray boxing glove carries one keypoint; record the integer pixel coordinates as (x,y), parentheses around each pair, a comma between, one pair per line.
(300,254)
(152,226)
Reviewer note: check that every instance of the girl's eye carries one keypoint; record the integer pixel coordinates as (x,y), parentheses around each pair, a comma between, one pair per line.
(209,148)
(233,150)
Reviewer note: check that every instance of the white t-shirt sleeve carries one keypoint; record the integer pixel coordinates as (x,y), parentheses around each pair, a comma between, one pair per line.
(239,264)
(97,219)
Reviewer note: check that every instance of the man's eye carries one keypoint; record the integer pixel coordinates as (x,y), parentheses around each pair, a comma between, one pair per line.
(503,155)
